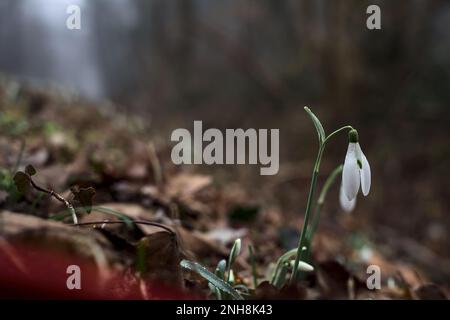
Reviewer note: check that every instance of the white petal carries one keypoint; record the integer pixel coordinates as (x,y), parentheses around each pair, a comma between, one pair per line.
(346,205)
(365,173)
(302,266)
(350,174)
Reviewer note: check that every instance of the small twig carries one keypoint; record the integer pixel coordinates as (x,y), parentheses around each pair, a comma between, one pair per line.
(150,223)
(58,197)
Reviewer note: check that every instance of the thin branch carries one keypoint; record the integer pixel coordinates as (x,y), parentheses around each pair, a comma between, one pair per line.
(58,197)
(150,223)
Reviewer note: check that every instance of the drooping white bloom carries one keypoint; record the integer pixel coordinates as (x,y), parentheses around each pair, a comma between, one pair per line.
(303,266)
(346,205)
(356,170)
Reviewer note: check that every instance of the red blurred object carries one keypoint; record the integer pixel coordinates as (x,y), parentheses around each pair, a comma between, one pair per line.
(28,272)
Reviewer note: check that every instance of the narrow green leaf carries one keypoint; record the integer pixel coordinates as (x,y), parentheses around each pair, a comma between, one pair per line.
(280,278)
(129,222)
(242,287)
(220,269)
(216,291)
(235,250)
(317,125)
(211,278)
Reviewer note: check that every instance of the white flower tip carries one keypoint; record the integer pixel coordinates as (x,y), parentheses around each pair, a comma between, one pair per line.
(350,197)
(346,205)
(302,266)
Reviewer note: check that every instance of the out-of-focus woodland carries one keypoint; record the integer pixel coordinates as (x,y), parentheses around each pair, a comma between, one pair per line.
(96,106)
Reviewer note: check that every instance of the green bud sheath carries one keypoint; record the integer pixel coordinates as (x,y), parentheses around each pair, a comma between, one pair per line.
(353,136)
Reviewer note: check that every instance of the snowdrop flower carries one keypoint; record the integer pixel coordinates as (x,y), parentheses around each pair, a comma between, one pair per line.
(346,205)
(356,169)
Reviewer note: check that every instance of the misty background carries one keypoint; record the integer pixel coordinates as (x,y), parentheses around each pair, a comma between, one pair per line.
(273,53)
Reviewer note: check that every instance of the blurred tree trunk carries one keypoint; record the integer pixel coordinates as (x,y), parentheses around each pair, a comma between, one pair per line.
(12,45)
(184,50)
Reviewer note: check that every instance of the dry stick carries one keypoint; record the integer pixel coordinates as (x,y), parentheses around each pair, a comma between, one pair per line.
(150,223)
(58,197)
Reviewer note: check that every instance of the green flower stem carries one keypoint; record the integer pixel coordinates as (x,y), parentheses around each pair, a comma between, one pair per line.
(323,193)
(286,256)
(302,242)
(227,279)
(336,132)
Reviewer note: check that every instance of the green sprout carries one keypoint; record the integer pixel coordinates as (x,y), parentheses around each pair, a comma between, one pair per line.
(222,282)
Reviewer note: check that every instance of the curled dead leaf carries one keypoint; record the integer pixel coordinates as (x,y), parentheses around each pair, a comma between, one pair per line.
(160,254)
(84,196)
(22,181)
(30,170)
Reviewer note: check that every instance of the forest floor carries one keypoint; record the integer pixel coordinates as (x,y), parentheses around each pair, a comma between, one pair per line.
(192,215)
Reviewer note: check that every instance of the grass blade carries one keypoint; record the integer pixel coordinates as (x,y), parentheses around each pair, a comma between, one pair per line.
(317,125)
(211,278)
